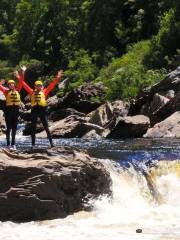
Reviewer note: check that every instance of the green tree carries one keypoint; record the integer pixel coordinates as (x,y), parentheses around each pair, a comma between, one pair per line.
(81,69)
(55,32)
(23,26)
(165,47)
(126,75)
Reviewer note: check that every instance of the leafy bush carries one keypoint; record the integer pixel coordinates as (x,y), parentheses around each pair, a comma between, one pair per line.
(126,75)
(6,71)
(81,69)
(165,45)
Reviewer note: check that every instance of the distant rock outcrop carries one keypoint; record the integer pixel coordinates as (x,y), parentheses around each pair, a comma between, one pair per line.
(169,128)
(128,127)
(152,99)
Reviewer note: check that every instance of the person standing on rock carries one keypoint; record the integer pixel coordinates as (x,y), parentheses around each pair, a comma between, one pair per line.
(11,108)
(38,97)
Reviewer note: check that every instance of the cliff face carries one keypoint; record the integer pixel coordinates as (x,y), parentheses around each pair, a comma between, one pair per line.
(47,184)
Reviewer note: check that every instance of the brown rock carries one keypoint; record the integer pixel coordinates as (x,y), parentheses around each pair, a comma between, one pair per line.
(120,108)
(46,184)
(72,127)
(102,115)
(169,128)
(170,94)
(168,88)
(63,128)
(167,110)
(83,99)
(39,128)
(127,127)
(151,106)
(92,134)
(158,102)
(170,82)
(63,113)
(52,102)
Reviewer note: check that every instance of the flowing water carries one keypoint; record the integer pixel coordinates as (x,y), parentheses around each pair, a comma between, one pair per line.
(134,204)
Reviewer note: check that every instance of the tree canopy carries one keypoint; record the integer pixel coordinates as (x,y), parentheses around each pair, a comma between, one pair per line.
(88,37)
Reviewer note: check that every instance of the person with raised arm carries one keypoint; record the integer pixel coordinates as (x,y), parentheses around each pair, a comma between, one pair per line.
(12,105)
(38,97)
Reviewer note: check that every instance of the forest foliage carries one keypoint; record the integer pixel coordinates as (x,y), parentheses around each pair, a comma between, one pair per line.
(126,44)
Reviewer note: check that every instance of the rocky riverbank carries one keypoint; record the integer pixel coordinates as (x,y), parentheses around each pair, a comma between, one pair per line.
(83,113)
(47,184)
(154,113)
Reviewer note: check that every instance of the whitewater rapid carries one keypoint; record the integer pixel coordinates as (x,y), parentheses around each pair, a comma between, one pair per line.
(131,207)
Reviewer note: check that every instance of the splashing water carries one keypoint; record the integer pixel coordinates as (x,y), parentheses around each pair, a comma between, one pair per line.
(20,128)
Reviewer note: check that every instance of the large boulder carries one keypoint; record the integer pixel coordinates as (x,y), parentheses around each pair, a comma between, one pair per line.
(46,184)
(63,128)
(63,113)
(72,127)
(52,102)
(84,99)
(101,115)
(127,127)
(104,114)
(150,109)
(92,134)
(169,128)
(59,120)
(120,108)
(167,110)
(158,102)
(170,82)
(28,128)
(167,88)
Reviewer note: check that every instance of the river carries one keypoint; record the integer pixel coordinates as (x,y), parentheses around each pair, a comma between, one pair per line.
(132,206)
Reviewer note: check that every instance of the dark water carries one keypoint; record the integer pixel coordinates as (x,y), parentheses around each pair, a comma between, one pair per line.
(131,151)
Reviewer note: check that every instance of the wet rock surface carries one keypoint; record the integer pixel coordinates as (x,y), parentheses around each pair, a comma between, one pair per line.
(48,183)
(128,127)
(154,98)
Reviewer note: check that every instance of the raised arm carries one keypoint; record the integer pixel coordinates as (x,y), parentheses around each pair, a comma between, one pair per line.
(27,88)
(20,78)
(2,88)
(22,82)
(53,83)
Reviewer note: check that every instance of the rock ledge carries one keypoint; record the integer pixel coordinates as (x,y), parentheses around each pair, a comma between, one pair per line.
(47,184)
